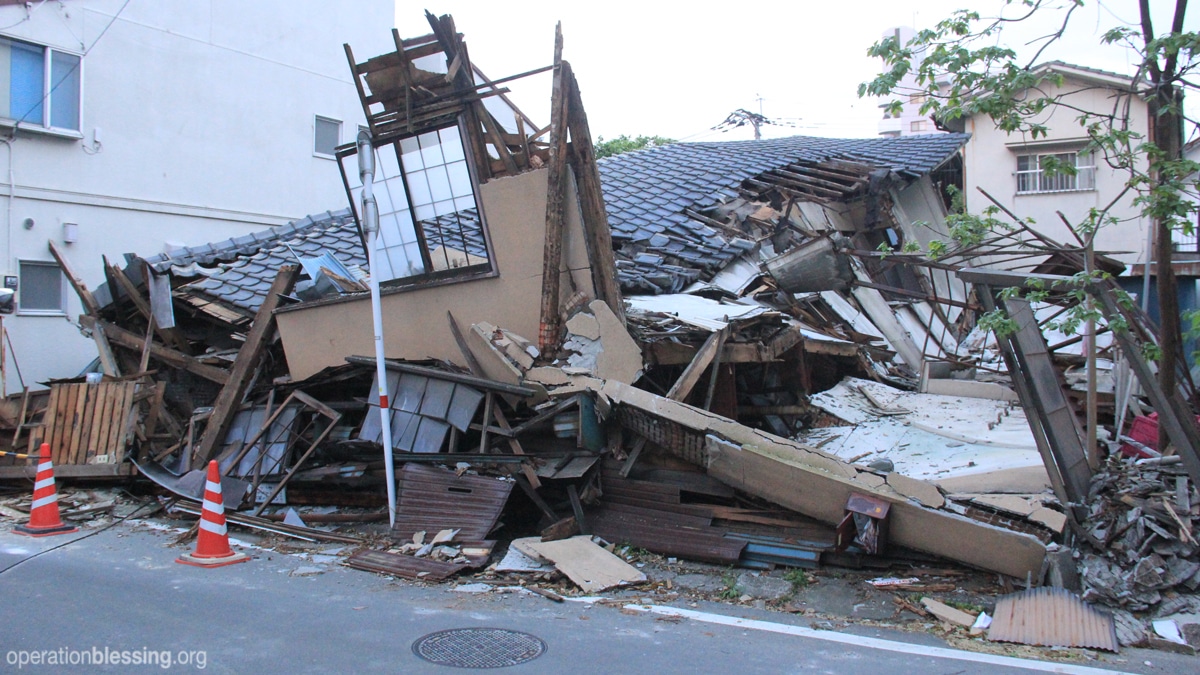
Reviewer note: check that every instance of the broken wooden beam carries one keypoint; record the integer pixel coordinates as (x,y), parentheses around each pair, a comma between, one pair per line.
(244,367)
(556,190)
(168,356)
(705,356)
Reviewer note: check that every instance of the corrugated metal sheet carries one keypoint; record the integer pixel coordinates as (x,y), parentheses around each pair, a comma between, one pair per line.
(665,533)
(1052,617)
(432,500)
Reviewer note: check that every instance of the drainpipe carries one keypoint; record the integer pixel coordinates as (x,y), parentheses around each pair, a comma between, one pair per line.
(8,140)
(370,222)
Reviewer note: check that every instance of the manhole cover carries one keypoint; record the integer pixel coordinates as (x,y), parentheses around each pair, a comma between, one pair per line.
(479,647)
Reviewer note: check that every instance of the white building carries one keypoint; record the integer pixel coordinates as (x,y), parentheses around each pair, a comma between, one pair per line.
(1012,167)
(910,121)
(149,124)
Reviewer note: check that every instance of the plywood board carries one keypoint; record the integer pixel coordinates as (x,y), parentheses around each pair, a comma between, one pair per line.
(592,568)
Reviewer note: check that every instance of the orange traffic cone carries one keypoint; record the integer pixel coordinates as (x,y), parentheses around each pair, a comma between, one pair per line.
(43,516)
(212,542)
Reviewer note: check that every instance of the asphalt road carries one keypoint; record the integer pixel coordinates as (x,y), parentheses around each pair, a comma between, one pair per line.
(121,591)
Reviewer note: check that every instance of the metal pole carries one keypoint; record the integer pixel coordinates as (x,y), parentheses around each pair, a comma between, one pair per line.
(370,220)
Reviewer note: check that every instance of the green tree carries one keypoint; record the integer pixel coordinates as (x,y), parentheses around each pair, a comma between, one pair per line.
(985,77)
(624,143)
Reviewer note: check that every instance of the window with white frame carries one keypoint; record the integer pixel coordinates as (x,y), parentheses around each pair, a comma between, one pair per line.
(42,288)
(1187,242)
(327,135)
(1055,172)
(428,220)
(39,86)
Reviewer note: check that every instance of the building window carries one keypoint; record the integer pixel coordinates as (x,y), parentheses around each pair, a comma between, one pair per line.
(39,86)
(1055,172)
(917,99)
(42,288)
(918,125)
(1187,242)
(429,224)
(327,135)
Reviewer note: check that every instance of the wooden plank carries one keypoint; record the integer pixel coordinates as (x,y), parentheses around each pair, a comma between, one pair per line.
(556,188)
(497,136)
(169,336)
(49,419)
(75,451)
(97,419)
(598,236)
(591,568)
(106,409)
(108,360)
(86,448)
(89,301)
(160,390)
(72,471)
(244,367)
(691,375)
(62,433)
(168,356)
(126,412)
(116,418)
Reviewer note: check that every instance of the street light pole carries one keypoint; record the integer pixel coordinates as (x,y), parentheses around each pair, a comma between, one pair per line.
(370,221)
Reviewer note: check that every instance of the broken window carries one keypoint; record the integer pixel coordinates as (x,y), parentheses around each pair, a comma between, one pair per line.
(429,224)
(1055,172)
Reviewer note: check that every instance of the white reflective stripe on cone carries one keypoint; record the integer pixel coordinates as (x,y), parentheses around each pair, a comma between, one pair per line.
(51,499)
(212,527)
(213,507)
(43,483)
(212,487)
(45,466)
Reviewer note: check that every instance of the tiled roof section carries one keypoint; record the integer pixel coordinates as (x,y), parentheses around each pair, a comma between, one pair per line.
(244,281)
(647,191)
(248,244)
(246,270)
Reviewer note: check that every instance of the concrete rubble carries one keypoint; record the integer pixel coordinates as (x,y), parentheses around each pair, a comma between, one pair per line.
(725,353)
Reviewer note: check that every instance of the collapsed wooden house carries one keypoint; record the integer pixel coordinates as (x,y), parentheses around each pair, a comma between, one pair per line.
(676,309)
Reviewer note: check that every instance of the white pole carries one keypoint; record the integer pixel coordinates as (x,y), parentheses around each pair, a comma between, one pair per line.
(370,221)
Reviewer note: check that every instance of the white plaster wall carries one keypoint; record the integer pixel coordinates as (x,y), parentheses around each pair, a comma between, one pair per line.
(205,111)
(991,163)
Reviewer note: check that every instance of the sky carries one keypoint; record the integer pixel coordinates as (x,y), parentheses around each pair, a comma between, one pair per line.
(678,69)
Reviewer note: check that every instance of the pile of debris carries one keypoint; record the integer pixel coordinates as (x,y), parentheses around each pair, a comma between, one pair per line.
(1139,545)
(725,352)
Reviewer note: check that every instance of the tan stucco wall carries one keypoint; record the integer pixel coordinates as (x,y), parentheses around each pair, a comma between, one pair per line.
(991,163)
(415,324)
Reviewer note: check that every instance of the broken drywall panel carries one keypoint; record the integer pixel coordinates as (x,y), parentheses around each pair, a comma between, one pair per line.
(849,313)
(968,389)
(947,613)
(953,465)
(585,325)
(925,493)
(547,375)
(985,422)
(494,361)
(592,568)
(823,496)
(711,315)
(621,358)
(880,312)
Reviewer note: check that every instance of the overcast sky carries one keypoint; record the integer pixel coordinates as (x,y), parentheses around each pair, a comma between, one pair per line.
(677,69)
